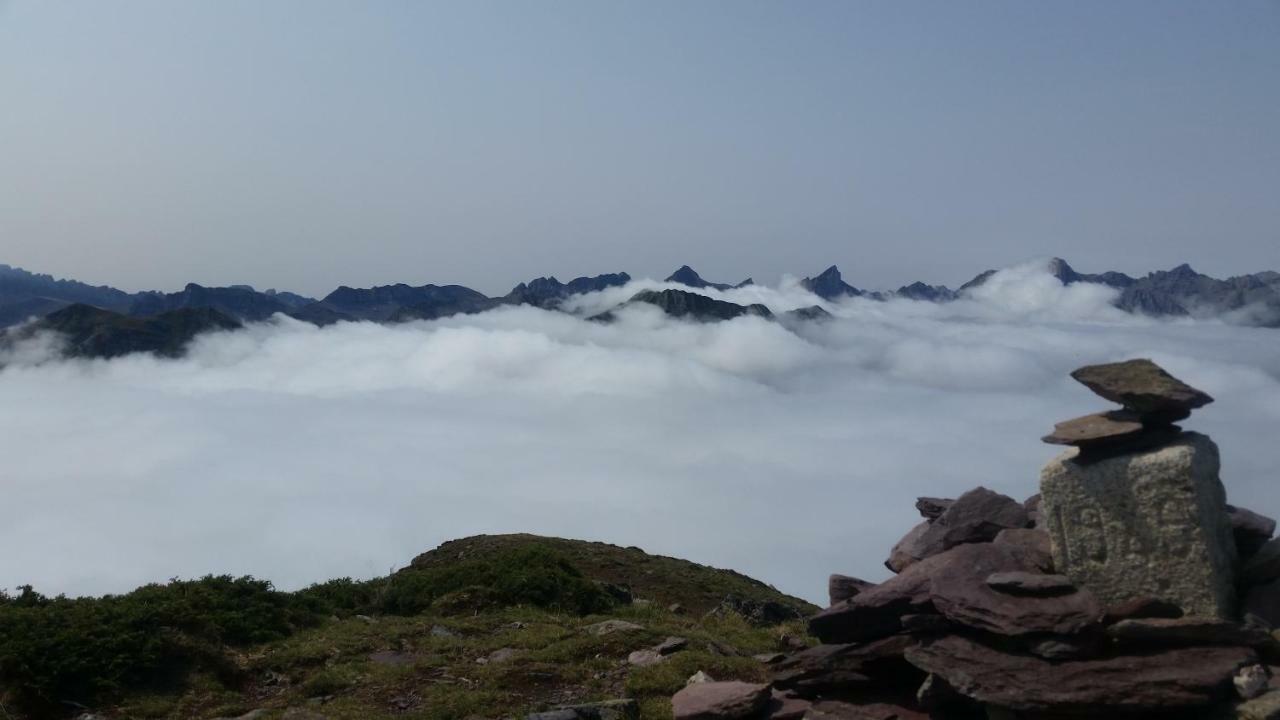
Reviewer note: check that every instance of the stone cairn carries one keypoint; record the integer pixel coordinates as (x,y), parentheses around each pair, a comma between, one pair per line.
(1127,588)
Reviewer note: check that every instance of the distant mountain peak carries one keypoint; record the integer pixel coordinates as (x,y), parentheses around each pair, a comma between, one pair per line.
(829,285)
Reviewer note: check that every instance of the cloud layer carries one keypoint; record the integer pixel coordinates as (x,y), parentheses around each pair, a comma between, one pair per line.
(298,454)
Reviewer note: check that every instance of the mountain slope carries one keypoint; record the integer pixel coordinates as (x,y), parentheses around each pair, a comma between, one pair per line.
(96,333)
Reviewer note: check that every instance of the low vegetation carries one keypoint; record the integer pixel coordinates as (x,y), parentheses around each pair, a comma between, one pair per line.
(486,627)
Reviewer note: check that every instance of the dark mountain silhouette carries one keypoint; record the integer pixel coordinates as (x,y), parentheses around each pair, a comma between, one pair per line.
(385,302)
(681,304)
(93,332)
(238,301)
(688,276)
(829,285)
(548,292)
(930,293)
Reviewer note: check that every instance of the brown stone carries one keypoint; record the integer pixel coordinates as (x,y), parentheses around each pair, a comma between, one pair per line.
(1025,583)
(785,706)
(1032,545)
(1187,631)
(877,612)
(1173,679)
(731,700)
(1250,529)
(909,550)
(1115,426)
(843,587)
(976,516)
(1142,386)
(1142,607)
(826,668)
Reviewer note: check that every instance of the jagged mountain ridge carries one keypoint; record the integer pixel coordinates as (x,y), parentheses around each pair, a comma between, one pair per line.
(1252,299)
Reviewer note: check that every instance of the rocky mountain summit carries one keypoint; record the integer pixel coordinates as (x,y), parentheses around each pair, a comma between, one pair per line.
(89,332)
(1127,588)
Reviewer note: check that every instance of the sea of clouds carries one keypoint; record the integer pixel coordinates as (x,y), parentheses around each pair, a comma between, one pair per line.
(784,451)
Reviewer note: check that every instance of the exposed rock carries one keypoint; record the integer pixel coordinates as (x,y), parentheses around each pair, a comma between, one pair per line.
(1031,545)
(698,677)
(1035,518)
(1251,681)
(608,710)
(500,655)
(770,658)
(924,623)
(826,668)
(1142,386)
(1025,583)
(644,658)
(93,333)
(976,516)
(720,701)
(829,285)
(843,710)
(1173,679)
(1147,524)
(681,304)
(909,550)
(671,645)
(1187,631)
(1263,603)
(1264,566)
(877,612)
(1251,530)
(687,276)
(807,314)
(785,706)
(932,508)
(1266,707)
(1114,426)
(843,587)
(608,627)
(757,612)
(1142,607)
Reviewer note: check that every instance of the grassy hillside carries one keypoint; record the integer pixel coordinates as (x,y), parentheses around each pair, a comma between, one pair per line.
(485,627)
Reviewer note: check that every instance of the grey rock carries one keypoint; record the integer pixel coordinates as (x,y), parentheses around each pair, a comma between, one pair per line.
(671,645)
(608,627)
(909,550)
(843,587)
(1065,648)
(1251,681)
(698,677)
(501,655)
(1144,524)
(931,508)
(644,658)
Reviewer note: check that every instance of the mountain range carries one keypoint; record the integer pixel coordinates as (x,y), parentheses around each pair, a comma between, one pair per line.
(102,320)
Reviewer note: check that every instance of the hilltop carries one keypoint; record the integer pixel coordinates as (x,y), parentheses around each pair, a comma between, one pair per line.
(483,627)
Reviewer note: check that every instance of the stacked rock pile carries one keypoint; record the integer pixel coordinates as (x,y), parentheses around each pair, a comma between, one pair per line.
(1128,588)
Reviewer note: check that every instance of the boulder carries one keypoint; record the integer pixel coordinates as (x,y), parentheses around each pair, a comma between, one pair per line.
(644,658)
(909,550)
(785,706)
(960,592)
(720,701)
(1142,386)
(1032,545)
(931,508)
(1187,631)
(976,516)
(1115,426)
(1251,530)
(1025,583)
(1251,681)
(824,669)
(843,587)
(1144,524)
(1173,679)
(757,612)
(1264,566)
(877,612)
(1263,602)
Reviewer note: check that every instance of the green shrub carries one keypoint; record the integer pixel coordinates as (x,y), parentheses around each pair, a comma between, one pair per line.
(532,575)
(54,650)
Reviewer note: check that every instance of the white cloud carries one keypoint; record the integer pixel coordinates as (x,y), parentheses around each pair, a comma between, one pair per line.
(298,454)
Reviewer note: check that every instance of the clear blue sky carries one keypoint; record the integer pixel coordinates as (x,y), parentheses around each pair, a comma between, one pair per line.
(307,144)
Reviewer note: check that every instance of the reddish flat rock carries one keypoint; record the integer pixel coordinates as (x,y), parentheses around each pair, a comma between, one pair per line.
(1142,386)
(721,701)
(1173,679)
(827,668)
(843,587)
(1096,429)
(1187,631)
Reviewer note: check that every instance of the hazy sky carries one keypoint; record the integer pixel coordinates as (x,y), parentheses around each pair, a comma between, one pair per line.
(308,144)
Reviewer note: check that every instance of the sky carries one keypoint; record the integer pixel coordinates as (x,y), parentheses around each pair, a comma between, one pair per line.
(308,144)
(299,454)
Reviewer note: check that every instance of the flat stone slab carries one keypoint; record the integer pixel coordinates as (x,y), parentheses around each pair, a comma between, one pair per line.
(720,701)
(1187,631)
(1143,387)
(1144,524)
(1026,583)
(1096,429)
